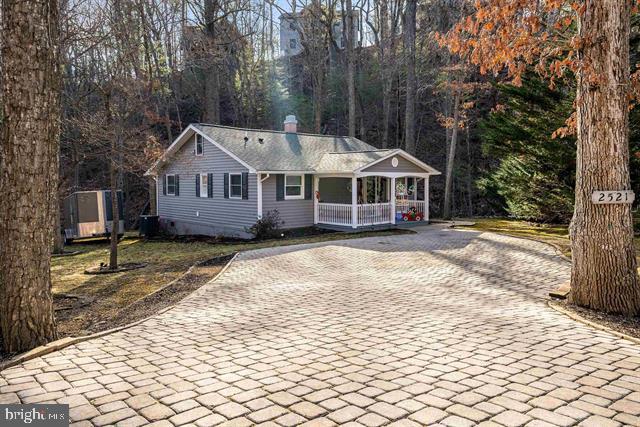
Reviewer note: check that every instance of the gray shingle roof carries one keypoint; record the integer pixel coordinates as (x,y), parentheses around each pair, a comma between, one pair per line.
(280,151)
(349,161)
(273,151)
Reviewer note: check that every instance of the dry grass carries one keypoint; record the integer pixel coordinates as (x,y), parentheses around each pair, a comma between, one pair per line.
(555,234)
(166,260)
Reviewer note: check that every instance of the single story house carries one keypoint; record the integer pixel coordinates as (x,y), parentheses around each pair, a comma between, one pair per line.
(219,180)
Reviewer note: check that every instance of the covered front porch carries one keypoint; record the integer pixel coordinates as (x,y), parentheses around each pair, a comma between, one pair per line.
(364,200)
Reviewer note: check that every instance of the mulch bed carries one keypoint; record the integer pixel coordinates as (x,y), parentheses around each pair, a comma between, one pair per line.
(619,323)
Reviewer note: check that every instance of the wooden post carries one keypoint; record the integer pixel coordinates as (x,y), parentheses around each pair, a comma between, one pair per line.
(354,202)
(393,200)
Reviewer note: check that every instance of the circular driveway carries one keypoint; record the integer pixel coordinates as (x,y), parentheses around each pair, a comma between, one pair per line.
(440,327)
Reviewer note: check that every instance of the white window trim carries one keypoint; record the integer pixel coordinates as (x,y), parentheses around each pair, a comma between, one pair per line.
(204,188)
(167,184)
(195,142)
(301,196)
(231,196)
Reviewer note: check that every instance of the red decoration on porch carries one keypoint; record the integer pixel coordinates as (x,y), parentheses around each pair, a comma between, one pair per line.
(412,215)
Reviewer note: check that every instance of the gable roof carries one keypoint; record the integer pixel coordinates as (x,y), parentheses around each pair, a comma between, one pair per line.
(275,151)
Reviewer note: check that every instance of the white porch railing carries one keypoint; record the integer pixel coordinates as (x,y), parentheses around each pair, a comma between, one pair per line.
(334,214)
(374,213)
(368,214)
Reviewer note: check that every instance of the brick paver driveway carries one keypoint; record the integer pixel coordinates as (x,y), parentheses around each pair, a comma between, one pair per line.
(444,326)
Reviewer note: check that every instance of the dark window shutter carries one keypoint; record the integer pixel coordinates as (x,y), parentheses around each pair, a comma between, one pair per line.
(177,185)
(279,186)
(197,185)
(245,185)
(226,185)
(210,185)
(164,185)
(308,187)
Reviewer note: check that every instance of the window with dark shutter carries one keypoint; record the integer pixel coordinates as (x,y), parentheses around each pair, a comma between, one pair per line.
(164,185)
(177,185)
(226,185)
(197,185)
(235,186)
(245,185)
(210,185)
(280,187)
(171,185)
(199,145)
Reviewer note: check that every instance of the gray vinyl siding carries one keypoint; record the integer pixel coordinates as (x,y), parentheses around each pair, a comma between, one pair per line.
(335,190)
(203,215)
(294,213)
(404,166)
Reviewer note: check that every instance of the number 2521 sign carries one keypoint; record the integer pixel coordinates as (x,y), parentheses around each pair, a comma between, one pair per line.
(610,197)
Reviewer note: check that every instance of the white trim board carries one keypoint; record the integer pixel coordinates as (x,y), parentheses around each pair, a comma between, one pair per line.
(407,156)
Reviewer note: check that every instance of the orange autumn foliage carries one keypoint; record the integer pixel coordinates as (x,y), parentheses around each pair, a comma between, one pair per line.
(511,36)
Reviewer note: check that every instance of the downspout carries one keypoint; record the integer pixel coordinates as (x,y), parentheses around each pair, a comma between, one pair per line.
(260,181)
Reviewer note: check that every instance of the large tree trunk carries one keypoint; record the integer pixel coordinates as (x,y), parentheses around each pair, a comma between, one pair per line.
(410,53)
(351,79)
(448,184)
(604,274)
(28,170)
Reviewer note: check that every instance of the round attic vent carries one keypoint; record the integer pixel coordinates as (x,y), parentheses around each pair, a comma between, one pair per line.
(394,162)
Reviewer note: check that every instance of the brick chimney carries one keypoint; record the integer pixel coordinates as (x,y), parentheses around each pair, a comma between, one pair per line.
(291,124)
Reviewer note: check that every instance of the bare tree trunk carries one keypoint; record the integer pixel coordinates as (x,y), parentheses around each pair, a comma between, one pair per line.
(212,95)
(386,110)
(115,209)
(211,71)
(28,170)
(604,274)
(469,176)
(410,52)
(448,185)
(351,82)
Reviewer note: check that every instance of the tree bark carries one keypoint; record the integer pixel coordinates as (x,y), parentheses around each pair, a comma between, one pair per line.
(115,209)
(604,274)
(28,170)
(410,53)
(351,79)
(211,70)
(448,185)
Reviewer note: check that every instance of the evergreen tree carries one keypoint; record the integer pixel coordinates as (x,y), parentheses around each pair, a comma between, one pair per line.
(535,177)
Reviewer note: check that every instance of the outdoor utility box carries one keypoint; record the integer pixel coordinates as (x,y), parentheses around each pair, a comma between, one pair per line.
(89,214)
(149,225)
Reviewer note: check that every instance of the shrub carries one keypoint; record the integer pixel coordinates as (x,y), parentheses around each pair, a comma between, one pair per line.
(268,227)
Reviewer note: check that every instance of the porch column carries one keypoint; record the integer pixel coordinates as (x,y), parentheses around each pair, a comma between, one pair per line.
(316,188)
(393,200)
(354,202)
(426,198)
